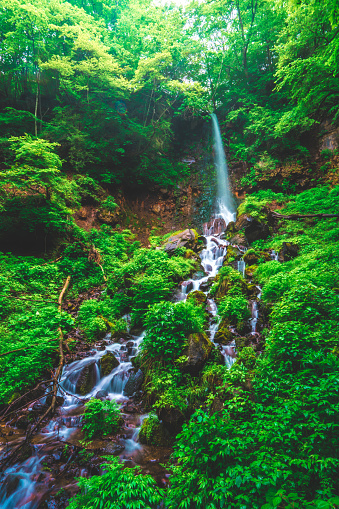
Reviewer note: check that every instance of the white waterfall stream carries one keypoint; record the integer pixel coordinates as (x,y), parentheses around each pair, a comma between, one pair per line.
(225,201)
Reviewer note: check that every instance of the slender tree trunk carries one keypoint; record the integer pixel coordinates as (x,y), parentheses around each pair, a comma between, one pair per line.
(36,104)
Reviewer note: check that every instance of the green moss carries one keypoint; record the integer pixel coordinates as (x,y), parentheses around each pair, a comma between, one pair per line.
(198,297)
(152,432)
(107,363)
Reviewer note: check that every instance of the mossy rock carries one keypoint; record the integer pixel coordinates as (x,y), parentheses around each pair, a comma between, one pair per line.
(14,396)
(249,271)
(136,361)
(251,257)
(185,238)
(109,217)
(107,363)
(197,352)
(233,254)
(241,342)
(198,297)
(230,230)
(239,239)
(252,290)
(153,432)
(225,285)
(223,335)
(253,228)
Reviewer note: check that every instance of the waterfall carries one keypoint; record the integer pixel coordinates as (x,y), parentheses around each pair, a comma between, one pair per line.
(225,202)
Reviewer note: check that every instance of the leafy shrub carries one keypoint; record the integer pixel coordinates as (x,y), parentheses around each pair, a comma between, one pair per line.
(167,327)
(101,418)
(90,319)
(118,487)
(234,307)
(147,290)
(109,204)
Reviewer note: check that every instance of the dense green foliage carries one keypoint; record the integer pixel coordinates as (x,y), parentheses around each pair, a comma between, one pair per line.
(119,488)
(278,449)
(167,327)
(101,418)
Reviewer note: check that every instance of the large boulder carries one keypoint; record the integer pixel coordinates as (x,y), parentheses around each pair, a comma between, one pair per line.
(187,238)
(254,229)
(197,352)
(107,363)
(134,383)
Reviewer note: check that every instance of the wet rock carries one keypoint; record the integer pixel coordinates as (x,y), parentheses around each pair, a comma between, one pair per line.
(87,379)
(239,239)
(198,275)
(187,286)
(133,383)
(205,285)
(130,409)
(101,395)
(57,455)
(198,351)
(136,361)
(153,432)
(198,297)
(288,251)
(39,407)
(107,363)
(187,238)
(113,449)
(215,226)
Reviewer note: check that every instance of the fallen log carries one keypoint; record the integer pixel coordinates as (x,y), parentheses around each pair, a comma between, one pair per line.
(302,216)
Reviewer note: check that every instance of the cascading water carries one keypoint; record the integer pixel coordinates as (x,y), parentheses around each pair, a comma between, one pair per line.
(225,201)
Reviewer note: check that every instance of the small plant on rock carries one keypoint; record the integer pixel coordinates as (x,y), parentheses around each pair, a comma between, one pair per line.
(101,418)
